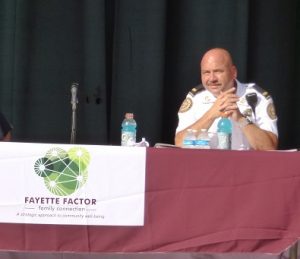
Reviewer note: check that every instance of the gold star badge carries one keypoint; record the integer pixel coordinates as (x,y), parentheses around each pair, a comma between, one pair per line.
(207,99)
(248,113)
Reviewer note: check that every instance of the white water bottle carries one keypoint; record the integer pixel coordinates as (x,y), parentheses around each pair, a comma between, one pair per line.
(202,141)
(189,139)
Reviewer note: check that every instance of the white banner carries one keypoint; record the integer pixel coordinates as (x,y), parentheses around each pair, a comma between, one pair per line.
(72,184)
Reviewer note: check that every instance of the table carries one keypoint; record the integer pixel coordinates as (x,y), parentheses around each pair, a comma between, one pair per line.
(198,202)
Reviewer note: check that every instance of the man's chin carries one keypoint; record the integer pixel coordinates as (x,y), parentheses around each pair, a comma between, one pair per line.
(215,91)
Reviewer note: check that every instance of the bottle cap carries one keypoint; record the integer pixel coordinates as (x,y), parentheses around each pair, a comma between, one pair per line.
(129,115)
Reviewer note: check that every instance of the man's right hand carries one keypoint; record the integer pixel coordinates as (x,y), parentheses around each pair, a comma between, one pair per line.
(225,104)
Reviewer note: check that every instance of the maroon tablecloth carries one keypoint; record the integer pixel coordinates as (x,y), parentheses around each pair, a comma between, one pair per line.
(204,201)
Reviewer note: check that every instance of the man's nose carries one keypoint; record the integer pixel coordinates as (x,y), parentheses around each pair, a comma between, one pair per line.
(212,77)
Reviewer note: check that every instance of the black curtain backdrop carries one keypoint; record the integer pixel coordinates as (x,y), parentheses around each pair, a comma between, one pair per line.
(137,56)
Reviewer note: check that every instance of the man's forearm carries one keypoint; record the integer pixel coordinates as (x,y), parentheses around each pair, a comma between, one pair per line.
(260,139)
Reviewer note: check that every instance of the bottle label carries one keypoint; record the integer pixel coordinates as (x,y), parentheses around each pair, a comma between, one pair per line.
(188,143)
(224,140)
(202,143)
(128,138)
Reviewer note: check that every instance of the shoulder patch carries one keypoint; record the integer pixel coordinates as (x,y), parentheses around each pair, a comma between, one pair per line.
(196,90)
(262,91)
(186,105)
(271,111)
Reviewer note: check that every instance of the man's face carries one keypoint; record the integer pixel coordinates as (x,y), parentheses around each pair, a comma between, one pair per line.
(217,74)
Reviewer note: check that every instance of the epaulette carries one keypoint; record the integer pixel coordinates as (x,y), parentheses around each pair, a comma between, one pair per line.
(196,90)
(262,91)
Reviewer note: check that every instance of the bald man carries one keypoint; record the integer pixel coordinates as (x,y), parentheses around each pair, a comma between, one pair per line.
(249,107)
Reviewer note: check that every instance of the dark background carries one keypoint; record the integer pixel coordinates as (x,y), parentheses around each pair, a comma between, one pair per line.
(137,56)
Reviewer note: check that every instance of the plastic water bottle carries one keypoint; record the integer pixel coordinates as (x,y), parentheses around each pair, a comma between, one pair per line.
(128,131)
(203,140)
(189,139)
(224,133)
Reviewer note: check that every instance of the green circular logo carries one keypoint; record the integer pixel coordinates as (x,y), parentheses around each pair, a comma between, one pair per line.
(63,172)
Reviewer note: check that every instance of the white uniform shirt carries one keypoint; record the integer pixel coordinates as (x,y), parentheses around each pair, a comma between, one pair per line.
(198,102)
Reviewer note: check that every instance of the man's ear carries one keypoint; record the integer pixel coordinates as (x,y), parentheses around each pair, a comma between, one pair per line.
(234,71)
